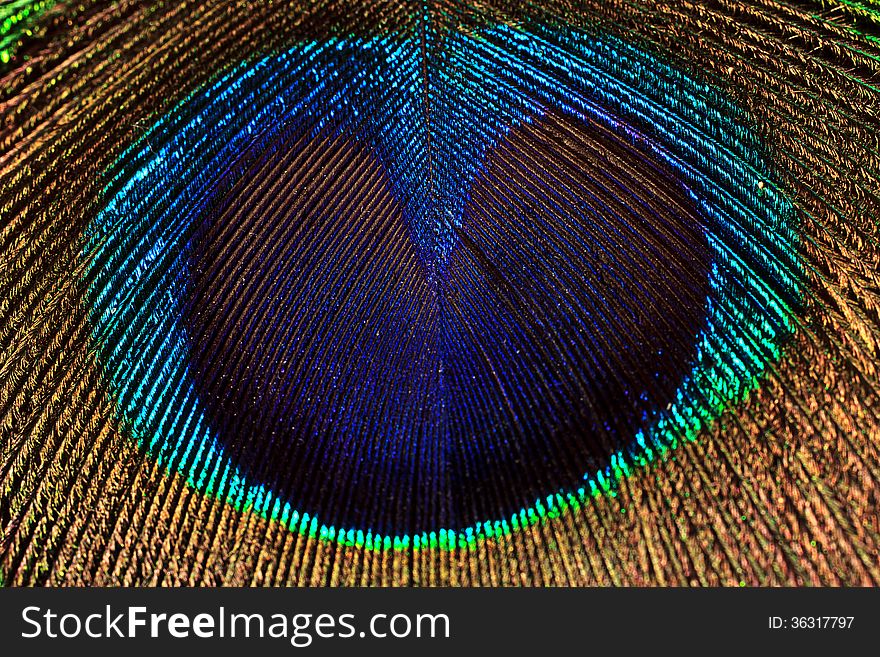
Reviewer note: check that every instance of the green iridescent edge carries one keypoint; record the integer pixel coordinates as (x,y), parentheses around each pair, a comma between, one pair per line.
(16,20)
(866,8)
(681,430)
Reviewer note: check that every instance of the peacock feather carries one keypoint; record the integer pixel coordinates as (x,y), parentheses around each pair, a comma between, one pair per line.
(441,292)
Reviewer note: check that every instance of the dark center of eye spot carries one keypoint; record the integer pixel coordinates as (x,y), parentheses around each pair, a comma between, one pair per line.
(336,373)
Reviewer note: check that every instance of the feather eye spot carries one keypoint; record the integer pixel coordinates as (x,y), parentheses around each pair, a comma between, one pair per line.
(309,298)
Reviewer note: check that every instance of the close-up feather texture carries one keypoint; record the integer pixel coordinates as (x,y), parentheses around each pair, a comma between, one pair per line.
(443,292)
